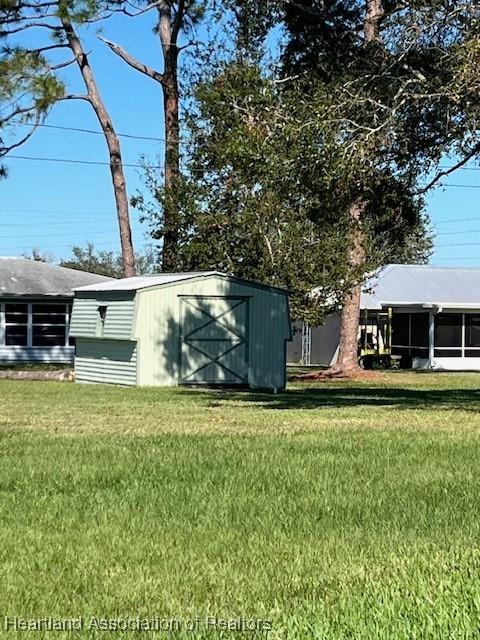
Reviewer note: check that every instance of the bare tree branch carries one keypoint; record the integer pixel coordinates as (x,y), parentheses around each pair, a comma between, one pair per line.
(62,65)
(73,96)
(133,62)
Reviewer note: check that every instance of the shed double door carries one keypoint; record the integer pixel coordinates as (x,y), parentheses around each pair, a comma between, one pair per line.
(214,340)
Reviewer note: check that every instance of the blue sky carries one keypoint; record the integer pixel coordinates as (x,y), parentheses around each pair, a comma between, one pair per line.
(52,206)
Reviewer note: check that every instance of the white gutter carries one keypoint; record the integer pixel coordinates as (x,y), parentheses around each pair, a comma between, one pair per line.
(434,305)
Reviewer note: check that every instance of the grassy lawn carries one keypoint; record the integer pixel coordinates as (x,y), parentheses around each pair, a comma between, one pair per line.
(334,510)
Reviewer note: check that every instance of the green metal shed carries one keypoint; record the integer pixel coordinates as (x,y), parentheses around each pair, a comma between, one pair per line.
(181,328)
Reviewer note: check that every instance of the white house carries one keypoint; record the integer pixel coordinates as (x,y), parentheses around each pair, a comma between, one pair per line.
(428,316)
(35,304)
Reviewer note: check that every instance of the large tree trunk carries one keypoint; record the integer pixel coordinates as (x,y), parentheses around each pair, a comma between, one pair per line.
(168,33)
(113,144)
(347,361)
(170,21)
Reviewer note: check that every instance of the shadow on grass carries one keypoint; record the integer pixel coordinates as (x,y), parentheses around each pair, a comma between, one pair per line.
(335,397)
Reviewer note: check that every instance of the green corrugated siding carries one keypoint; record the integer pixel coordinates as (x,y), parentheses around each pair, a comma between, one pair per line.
(84,317)
(119,318)
(110,361)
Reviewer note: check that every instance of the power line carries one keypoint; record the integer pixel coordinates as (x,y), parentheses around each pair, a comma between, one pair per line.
(67,245)
(457,220)
(39,224)
(47,211)
(75,161)
(66,235)
(152,138)
(460,168)
(458,233)
(89,131)
(459,244)
(95,213)
(162,167)
(459,258)
(462,186)
(98,163)
(132,165)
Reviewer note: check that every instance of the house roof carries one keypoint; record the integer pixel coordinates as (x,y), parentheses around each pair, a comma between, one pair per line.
(23,277)
(424,286)
(160,279)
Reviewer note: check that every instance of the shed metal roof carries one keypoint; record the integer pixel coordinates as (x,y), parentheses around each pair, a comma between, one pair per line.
(23,277)
(422,285)
(156,280)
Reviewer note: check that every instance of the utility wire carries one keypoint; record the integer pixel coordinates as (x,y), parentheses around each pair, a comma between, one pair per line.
(162,167)
(457,220)
(49,211)
(462,186)
(152,138)
(140,166)
(459,244)
(457,233)
(68,221)
(89,131)
(459,258)
(75,161)
(67,245)
(66,235)
(98,163)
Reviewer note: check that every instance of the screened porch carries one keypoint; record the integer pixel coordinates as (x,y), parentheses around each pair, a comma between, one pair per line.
(442,340)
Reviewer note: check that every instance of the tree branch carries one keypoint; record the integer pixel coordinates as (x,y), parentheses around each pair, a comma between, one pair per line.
(133,62)
(61,65)
(5,150)
(442,174)
(49,48)
(30,25)
(17,112)
(73,96)
(138,12)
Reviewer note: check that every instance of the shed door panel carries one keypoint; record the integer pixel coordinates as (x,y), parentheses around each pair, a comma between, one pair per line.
(213,340)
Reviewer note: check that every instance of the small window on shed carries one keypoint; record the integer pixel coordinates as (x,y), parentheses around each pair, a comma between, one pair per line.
(101,316)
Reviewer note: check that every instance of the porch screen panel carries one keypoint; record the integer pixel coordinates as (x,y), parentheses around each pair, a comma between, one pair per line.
(420,328)
(401,330)
(472,335)
(419,334)
(448,335)
(410,334)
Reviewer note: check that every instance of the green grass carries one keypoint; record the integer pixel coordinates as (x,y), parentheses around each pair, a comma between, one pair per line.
(335,510)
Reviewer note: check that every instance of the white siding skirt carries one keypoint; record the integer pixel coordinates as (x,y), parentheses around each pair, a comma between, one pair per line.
(456,364)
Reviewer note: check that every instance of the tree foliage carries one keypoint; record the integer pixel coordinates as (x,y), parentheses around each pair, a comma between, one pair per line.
(258,201)
(106,263)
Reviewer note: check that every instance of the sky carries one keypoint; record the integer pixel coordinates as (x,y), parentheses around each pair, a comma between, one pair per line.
(54,205)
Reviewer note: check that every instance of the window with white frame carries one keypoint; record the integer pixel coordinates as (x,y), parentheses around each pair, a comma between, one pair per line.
(35,324)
